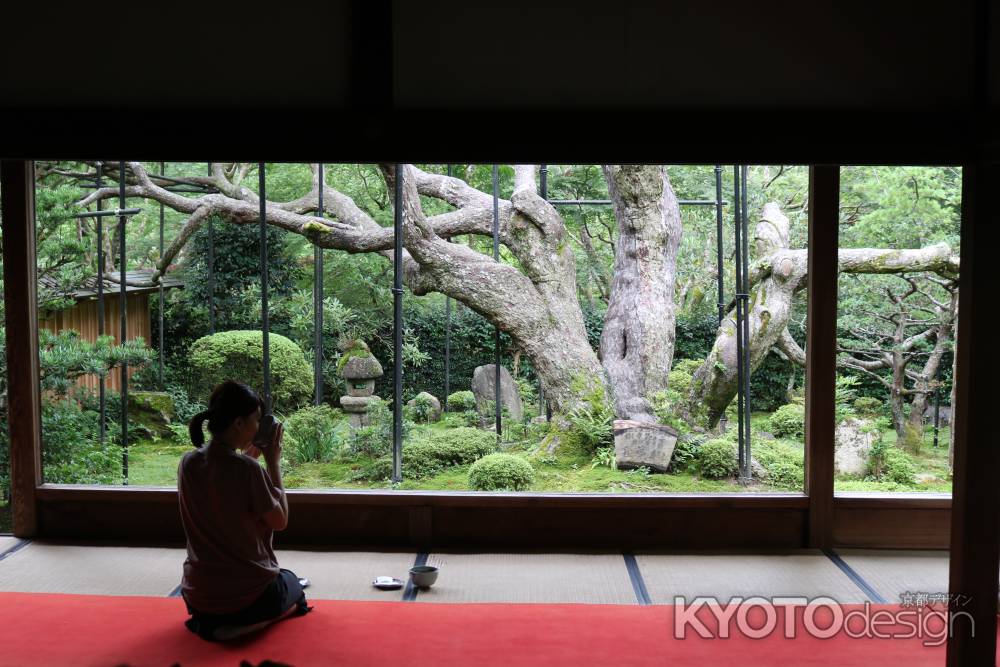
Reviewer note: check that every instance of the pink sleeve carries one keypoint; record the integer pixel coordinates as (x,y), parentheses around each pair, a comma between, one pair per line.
(263,496)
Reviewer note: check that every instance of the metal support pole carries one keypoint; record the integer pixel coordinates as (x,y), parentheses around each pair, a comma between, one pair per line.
(262,195)
(718,243)
(211,269)
(544,188)
(397,329)
(937,410)
(99,223)
(496,330)
(318,303)
(123,316)
(447,342)
(738,214)
(746,473)
(162,386)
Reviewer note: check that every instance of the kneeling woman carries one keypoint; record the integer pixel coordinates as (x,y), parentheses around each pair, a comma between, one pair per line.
(230,508)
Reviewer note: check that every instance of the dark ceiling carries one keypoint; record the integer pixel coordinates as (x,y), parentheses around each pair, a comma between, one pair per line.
(844,80)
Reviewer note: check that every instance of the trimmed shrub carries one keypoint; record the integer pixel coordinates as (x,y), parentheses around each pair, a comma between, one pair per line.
(784,464)
(717,459)
(789,421)
(239,355)
(888,463)
(458,446)
(866,406)
(439,450)
(313,430)
(461,401)
(501,472)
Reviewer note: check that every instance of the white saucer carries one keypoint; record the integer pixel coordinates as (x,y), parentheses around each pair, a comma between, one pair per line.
(387,583)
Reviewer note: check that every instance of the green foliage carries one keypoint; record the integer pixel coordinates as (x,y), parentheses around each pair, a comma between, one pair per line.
(605,456)
(694,335)
(528,393)
(238,355)
(422,408)
(501,472)
(314,430)
(913,437)
(717,459)
(65,356)
(679,379)
(844,394)
(71,451)
(441,449)
(460,401)
(867,406)
(375,439)
(784,464)
(789,421)
(886,462)
(686,452)
(591,422)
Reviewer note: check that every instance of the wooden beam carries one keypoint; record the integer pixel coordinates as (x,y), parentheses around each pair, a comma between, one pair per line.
(975,520)
(17,179)
(821,350)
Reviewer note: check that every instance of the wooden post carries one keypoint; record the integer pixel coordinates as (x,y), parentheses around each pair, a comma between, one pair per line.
(821,351)
(975,504)
(17,178)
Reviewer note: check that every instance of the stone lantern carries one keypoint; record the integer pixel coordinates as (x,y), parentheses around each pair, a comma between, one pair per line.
(359,369)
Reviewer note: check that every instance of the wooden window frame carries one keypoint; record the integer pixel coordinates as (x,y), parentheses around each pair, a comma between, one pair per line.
(817,518)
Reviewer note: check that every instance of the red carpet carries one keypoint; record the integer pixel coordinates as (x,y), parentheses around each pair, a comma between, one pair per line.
(50,629)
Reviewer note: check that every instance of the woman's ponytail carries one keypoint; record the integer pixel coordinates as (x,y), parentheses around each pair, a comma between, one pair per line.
(194,428)
(229,401)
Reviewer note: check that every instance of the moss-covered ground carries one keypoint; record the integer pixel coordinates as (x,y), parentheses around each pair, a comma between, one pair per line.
(154,463)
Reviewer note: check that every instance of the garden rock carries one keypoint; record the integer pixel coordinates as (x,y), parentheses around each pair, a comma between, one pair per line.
(944,415)
(852,445)
(483,389)
(151,410)
(640,444)
(435,413)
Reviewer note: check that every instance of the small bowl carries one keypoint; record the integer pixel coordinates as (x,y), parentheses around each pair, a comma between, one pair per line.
(423,576)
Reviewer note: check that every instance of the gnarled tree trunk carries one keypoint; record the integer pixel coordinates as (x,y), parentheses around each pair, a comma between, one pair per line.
(637,343)
(776,275)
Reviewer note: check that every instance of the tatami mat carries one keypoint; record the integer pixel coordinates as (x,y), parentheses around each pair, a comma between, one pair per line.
(892,572)
(49,568)
(534,577)
(348,575)
(7,541)
(807,573)
(595,578)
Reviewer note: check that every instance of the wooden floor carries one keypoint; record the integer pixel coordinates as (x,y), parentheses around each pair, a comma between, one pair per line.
(847,576)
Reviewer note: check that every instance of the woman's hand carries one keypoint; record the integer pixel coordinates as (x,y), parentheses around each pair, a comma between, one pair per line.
(252,450)
(272,453)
